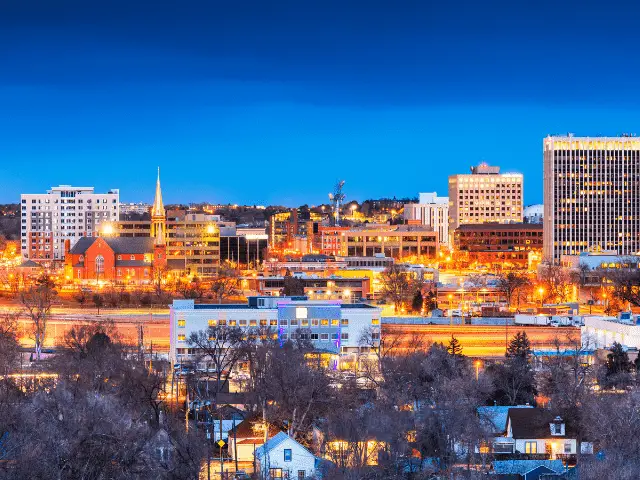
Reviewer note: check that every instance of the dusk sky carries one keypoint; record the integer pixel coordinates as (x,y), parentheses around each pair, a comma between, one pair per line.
(272,102)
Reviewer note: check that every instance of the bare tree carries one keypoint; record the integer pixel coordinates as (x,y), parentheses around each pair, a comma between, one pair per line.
(398,285)
(556,282)
(226,283)
(37,301)
(624,282)
(512,284)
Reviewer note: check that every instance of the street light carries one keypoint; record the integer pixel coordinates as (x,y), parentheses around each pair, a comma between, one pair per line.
(477,364)
(541,292)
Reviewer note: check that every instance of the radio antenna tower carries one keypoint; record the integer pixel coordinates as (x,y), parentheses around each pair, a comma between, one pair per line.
(337,197)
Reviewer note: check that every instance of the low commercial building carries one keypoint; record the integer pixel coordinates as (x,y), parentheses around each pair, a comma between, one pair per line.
(333,287)
(333,327)
(602,332)
(404,242)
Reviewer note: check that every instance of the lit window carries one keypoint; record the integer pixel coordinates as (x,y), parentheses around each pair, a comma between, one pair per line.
(334,322)
(182,323)
(212,323)
(375,321)
(531,447)
(344,321)
(181,337)
(325,322)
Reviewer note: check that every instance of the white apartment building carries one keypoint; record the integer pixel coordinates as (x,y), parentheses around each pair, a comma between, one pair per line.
(433,211)
(591,195)
(63,213)
(485,195)
(332,326)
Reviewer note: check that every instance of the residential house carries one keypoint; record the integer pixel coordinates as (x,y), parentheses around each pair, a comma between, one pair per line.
(283,457)
(248,436)
(494,422)
(536,431)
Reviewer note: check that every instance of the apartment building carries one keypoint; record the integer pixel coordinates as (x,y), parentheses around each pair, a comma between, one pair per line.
(432,211)
(63,213)
(332,326)
(485,195)
(591,195)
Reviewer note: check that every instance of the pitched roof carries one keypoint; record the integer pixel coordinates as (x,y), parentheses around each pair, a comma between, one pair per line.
(276,440)
(495,417)
(29,264)
(522,467)
(119,245)
(245,429)
(533,423)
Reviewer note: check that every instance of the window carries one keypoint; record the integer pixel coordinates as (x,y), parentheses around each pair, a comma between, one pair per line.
(284,323)
(530,447)
(324,336)
(182,322)
(314,336)
(287,454)
(212,323)
(232,323)
(344,321)
(275,473)
(344,336)
(119,257)
(325,322)
(305,323)
(273,322)
(253,323)
(99,264)
(567,447)
(294,323)
(302,474)
(375,321)
(133,257)
(334,322)
(182,337)
(242,323)
(334,336)
(315,322)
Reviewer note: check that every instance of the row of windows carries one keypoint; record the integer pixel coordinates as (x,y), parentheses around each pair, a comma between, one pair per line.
(315,322)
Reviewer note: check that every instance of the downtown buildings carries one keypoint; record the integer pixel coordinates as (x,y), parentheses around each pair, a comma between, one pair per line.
(430,210)
(63,213)
(485,195)
(591,195)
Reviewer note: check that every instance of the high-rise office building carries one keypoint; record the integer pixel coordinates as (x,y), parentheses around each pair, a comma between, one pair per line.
(64,212)
(484,195)
(430,210)
(591,195)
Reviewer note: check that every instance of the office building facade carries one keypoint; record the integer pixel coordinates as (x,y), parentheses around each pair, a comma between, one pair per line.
(63,213)
(432,211)
(591,195)
(485,195)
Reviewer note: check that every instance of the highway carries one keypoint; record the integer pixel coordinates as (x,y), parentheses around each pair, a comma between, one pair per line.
(481,341)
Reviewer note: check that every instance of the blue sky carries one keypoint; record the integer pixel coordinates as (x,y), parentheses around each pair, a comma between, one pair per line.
(271,102)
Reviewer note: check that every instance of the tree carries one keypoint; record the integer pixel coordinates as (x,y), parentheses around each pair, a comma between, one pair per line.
(9,345)
(512,284)
(417,303)
(514,380)
(226,283)
(519,346)
(618,368)
(624,282)
(454,348)
(398,285)
(159,277)
(98,301)
(293,286)
(37,301)
(556,282)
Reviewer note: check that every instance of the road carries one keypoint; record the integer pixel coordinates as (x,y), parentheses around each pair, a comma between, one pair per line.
(482,341)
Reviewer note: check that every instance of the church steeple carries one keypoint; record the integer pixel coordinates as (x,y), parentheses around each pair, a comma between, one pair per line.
(158,208)
(158,216)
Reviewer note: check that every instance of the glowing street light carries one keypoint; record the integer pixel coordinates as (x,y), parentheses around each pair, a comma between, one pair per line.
(541,292)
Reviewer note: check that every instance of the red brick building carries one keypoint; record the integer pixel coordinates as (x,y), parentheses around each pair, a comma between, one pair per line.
(120,260)
(500,244)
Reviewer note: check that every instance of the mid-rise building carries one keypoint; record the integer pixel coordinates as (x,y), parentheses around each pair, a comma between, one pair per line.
(591,195)
(409,242)
(63,213)
(432,211)
(485,195)
(509,244)
(331,326)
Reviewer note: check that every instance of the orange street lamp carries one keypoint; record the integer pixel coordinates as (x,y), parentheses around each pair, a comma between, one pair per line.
(477,364)
(541,292)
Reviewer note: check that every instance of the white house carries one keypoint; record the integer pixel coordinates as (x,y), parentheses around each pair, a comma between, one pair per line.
(283,457)
(535,431)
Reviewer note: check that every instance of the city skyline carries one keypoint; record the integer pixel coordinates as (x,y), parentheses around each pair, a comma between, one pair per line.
(318,92)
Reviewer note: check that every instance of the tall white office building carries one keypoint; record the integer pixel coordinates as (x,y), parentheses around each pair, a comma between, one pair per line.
(430,210)
(63,213)
(591,195)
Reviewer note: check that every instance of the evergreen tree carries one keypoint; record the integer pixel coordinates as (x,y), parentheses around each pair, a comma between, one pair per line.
(519,346)
(454,348)
(417,302)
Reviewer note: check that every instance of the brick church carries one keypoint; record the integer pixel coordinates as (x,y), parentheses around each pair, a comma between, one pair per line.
(123,260)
